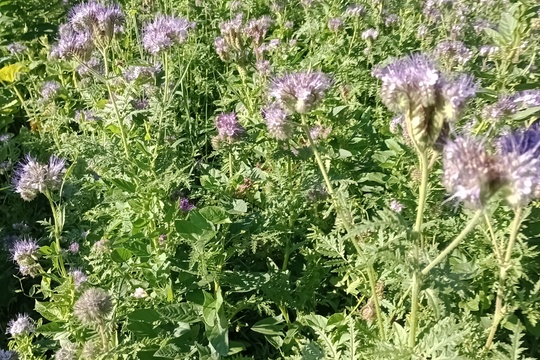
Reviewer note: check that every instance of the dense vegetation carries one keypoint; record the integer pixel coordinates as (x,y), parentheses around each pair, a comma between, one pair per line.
(313,179)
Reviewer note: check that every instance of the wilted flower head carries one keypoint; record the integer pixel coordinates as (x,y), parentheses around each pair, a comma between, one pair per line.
(487,50)
(139,293)
(256,29)
(519,154)
(21,325)
(276,122)
(300,92)
(93,306)
(414,87)
(8,355)
(97,19)
(470,173)
(68,351)
(454,51)
(32,178)
(228,127)
(164,32)
(185,205)
(50,90)
(16,48)
(335,24)
(73,44)
(370,34)
(355,10)
(391,20)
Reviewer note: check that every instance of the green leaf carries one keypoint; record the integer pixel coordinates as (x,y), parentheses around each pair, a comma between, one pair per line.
(215,214)
(125,185)
(121,255)
(271,326)
(239,207)
(179,313)
(50,328)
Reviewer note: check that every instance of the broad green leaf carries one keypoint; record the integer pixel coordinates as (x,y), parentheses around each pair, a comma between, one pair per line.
(121,255)
(271,326)
(9,72)
(215,214)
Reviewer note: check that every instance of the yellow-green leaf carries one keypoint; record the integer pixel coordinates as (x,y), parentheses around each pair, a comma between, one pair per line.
(8,72)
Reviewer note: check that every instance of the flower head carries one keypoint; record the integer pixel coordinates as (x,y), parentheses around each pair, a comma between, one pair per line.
(93,306)
(519,154)
(276,122)
(335,24)
(86,115)
(370,34)
(300,92)
(391,20)
(185,205)
(470,173)
(16,48)
(164,32)
(396,206)
(355,10)
(256,29)
(139,293)
(454,51)
(32,178)
(509,104)
(50,90)
(72,44)
(228,127)
(25,252)
(90,66)
(21,325)
(8,355)
(141,74)
(79,277)
(100,20)
(68,351)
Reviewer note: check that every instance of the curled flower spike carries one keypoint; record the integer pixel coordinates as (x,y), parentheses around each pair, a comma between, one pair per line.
(470,173)
(20,326)
(276,122)
(519,154)
(164,32)
(16,49)
(256,29)
(141,74)
(510,104)
(72,44)
(93,306)
(412,86)
(25,252)
(454,51)
(97,19)
(300,92)
(50,90)
(32,178)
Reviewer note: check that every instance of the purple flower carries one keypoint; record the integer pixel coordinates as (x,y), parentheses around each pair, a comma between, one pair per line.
(456,93)
(163,237)
(16,48)
(335,24)
(263,67)
(276,122)
(454,51)
(396,206)
(97,19)
(222,49)
(73,44)
(487,50)
(8,355)
(32,178)
(20,326)
(470,173)
(300,92)
(185,205)
(519,154)
(79,277)
(510,104)
(74,248)
(50,90)
(164,32)
(319,132)
(228,127)
(257,29)
(422,31)
(25,251)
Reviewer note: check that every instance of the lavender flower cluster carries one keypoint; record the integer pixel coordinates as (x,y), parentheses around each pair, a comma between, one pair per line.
(473,174)
(32,178)
(228,127)
(164,32)
(453,51)
(88,24)
(414,87)
(25,252)
(508,105)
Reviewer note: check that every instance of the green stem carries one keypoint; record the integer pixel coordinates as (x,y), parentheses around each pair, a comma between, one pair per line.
(416,279)
(347,223)
(113,100)
(230,165)
(503,272)
(57,233)
(472,223)
(162,111)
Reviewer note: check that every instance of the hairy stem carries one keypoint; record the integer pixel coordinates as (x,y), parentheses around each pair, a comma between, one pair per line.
(57,233)
(503,272)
